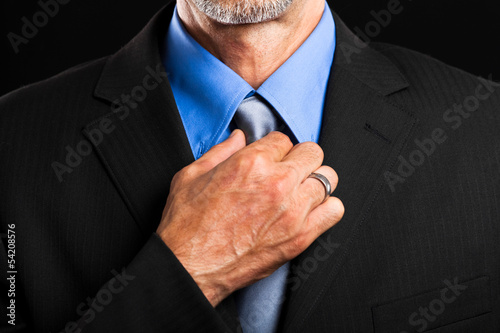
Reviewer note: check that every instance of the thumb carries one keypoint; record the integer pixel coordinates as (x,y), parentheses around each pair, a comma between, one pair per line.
(221,152)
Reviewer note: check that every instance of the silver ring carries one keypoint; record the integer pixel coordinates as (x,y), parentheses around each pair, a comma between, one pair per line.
(325,182)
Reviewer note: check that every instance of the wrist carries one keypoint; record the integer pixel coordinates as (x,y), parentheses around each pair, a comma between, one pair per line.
(214,294)
(215,291)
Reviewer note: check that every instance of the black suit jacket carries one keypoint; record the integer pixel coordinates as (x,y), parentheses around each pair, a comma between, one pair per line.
(417,249)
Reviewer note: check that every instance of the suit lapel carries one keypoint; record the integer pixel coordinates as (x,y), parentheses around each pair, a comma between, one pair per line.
(362,135)
(147,144)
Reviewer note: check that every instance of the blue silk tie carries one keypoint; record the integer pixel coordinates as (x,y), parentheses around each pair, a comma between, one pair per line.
(259,305)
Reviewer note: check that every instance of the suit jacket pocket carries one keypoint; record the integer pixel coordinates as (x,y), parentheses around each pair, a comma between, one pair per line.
(454,301)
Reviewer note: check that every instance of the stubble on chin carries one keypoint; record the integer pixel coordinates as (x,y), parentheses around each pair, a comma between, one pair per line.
(242,11)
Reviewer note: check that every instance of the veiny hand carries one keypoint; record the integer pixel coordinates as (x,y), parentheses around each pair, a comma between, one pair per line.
(240,212)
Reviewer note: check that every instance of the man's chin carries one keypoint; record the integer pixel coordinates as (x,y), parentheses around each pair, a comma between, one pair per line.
(243,12)
(246,21)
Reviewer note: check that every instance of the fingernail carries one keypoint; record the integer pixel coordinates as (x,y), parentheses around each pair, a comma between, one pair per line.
(232,134)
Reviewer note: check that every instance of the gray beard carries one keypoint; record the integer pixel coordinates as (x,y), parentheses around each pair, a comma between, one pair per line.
(243,11)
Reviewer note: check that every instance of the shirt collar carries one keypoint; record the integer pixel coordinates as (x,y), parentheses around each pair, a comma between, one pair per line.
(297,89)
(208,92)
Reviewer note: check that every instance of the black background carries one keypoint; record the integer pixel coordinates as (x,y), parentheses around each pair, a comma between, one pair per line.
(461,33)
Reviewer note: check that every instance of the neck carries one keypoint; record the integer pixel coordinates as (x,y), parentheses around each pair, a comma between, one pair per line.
(253,51)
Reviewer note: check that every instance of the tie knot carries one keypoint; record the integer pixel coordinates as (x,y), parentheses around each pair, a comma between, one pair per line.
(255,117)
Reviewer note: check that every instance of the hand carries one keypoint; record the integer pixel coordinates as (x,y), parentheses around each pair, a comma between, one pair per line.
(240,212)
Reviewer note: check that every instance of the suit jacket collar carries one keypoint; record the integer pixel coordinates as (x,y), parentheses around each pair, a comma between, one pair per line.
(362,134)
(148,144)
(366,64)
(125,69)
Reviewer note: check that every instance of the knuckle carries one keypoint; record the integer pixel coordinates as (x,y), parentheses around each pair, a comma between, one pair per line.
(279,136)
(338,209)
(203,166)
(242,163)
(181,175)
(313,149)
(259,159)
(292,172)
(277,189)
(253,159)
(281,139)
(332,176)
(281,183)
(191,171)
(180,179)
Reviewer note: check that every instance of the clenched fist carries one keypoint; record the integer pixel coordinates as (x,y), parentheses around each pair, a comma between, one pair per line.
(240,212)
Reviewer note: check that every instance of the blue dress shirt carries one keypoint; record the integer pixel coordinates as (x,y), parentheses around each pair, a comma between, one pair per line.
(207,92)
